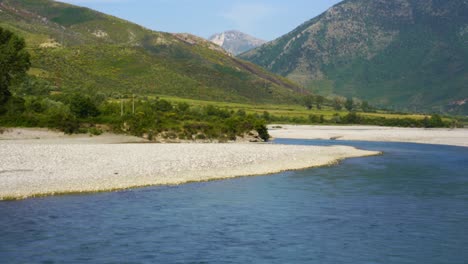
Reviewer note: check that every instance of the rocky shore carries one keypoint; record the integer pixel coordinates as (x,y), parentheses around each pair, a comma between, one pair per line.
(441,136)
(36,167)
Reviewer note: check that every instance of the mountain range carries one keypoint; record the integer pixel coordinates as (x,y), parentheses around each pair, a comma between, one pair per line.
(79,49)
(236,42)
(405,54)
(400,54)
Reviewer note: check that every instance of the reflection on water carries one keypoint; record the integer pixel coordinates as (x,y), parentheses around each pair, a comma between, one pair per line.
(409,205)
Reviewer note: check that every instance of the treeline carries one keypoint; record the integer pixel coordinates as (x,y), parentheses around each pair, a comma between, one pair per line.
(337,103)
(352,106)
(353,118)
(151,118)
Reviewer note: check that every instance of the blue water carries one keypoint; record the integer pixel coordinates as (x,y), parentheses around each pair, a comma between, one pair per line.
(409,205)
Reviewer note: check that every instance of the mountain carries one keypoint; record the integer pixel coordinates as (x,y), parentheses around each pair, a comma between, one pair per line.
(78,49)
(236,42)
(406,54)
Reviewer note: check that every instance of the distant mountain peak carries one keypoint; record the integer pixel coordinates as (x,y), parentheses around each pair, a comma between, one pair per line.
(236,42)
(75,49)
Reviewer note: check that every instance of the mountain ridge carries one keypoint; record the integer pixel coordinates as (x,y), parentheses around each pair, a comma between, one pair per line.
(406,54)
(77,48)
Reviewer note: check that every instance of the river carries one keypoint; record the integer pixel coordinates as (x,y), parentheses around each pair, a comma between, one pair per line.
(409,205)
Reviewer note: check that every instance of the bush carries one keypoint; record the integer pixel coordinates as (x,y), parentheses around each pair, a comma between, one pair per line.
(59,116)
(183,107)
(200,136)
(314,119)
(15,105)
(262,132)
(336,118)
(95,131)
(352,118)
(68,124)
(162,106)
(34,105)
(83,106)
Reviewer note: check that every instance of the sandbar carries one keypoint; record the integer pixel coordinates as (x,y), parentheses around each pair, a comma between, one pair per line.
(438,136)
(48,166)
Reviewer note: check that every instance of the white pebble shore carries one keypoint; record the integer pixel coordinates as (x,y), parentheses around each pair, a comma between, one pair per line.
(31,170)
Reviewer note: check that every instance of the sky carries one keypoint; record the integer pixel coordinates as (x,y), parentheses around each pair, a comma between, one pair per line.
(265,19)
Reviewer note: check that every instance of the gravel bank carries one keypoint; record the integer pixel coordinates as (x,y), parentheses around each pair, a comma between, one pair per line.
(441,136)
(47,136)
(31,169)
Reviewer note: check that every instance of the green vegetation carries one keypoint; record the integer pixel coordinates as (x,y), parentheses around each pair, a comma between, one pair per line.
(94,73)
(14,62)
(172,118)
(327,114)
(153,118)
(411,55)
(80,50)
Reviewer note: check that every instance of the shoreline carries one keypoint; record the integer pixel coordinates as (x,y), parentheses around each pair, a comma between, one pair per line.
(48,136)
(41,162)
(33,170)
(437,136)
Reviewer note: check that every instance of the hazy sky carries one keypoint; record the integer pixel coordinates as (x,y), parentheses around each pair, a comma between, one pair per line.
(266,19)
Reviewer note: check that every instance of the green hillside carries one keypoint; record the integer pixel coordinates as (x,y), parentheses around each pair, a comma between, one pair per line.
(78,49)
(403,54)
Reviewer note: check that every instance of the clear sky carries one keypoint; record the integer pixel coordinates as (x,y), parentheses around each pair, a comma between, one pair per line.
(266,19)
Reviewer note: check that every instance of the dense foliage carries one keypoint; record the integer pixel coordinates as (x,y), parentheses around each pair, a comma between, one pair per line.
(162,120)
(353,118)
(14,62)
(153,118)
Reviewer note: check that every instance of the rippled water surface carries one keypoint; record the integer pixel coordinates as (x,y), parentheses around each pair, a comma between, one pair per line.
(409,205)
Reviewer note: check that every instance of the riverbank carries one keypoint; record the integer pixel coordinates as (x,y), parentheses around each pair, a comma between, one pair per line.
(441,136)
(47,166)
(47,136)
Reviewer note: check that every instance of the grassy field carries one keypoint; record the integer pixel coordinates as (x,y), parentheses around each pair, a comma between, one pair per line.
(289,111)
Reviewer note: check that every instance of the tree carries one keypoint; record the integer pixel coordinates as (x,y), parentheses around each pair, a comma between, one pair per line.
(83,107)
(162,105)
(15,105)
(319,101)
(337,104)
(14,62)
(266,116)
(308,101)
(183,107)
(352,118)
(262,131)
(349,104)
(314,118)
(366,107)
(436,121)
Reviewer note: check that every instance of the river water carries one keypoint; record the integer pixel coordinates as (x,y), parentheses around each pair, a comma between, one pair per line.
(409,205)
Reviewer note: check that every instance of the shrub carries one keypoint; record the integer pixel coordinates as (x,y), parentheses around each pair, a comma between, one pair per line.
(314,118)
(352,118)
(183,107)
(83,106)
(15,105)
(95,131)
(68,124)
(162,106)
(34,105)
(200,136)
(262,132)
